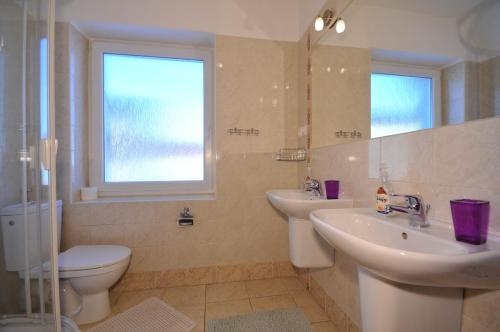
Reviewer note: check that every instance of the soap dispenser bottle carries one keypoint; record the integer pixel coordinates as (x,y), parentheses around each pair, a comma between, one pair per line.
(382,191)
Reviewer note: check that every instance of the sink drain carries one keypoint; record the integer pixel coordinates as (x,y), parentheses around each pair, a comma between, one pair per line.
(404,235)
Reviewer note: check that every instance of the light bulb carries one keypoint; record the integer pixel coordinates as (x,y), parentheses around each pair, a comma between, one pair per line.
(319,24)
(340,26)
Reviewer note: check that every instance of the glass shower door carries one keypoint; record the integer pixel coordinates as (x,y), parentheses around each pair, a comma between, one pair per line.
(29,290)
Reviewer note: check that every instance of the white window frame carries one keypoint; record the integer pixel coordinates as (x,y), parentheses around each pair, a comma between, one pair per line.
(416,71)
(107,189)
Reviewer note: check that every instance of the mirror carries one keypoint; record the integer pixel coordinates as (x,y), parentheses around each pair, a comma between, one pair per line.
(405,65)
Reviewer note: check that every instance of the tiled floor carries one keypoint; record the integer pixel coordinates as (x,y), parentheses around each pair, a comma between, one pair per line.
(206,302)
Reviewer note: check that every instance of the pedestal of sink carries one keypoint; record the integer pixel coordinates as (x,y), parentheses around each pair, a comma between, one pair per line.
(388,306)
(307,248)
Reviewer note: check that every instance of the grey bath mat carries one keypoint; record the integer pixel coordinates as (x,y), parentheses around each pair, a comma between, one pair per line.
(152,315)
(284,320)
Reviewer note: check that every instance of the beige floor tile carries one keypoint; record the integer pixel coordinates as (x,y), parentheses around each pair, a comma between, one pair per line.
(293,284)
(219,310)
(226,292)
(129,299)
(268,287)
(185,296)
(272,302)
(196,313)
(324,327)
(311,308)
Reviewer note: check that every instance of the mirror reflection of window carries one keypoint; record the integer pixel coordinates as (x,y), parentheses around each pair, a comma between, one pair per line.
(400,104)
(403,99)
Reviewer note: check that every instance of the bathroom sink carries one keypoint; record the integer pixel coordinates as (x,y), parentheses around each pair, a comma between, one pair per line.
(298,203)
(387,246)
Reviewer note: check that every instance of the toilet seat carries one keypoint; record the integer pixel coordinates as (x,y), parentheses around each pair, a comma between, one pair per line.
(87,260)
(81,261)
(91,272)
(92,257)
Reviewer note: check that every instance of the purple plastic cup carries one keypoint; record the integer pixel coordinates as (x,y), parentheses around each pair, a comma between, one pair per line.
(470,220)
(332,189)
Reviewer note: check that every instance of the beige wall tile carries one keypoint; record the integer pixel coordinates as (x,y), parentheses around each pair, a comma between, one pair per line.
(136,281)
(227,273)
(345,162)
(313,311)
(336,314)
(469,325)
(340,93)
(284,269)
(453,107)
(78,75)
(465,155)
(195,276)
(252,78)
(482,307)
(303,276)
(114,294)
(318,293)
(409,157)
(340,283)
(260,271)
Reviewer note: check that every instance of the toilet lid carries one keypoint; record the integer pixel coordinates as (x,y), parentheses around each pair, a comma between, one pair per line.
(91,257)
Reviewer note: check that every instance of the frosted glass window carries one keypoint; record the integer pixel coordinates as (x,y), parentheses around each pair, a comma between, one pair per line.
(153,119)
(400,104)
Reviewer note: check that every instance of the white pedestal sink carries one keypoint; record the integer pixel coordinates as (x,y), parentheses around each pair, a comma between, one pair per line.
(307,247)
(410,279)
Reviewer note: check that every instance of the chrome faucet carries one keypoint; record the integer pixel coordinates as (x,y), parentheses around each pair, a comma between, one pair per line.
(414,207)
(313,186)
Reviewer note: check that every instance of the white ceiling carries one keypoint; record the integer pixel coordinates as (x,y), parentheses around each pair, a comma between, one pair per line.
(443,8)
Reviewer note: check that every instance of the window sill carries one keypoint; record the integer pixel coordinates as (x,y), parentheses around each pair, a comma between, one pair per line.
(148,199)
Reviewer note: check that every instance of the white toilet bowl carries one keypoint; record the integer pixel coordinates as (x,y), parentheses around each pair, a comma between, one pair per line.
(86,273)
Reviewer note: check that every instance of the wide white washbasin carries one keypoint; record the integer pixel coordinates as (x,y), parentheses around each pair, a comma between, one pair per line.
(389,247)
(298,203)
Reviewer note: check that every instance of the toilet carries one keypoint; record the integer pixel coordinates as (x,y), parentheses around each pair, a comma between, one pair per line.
(86,272)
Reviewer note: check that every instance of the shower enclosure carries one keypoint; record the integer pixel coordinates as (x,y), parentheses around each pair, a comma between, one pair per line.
(29,295)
